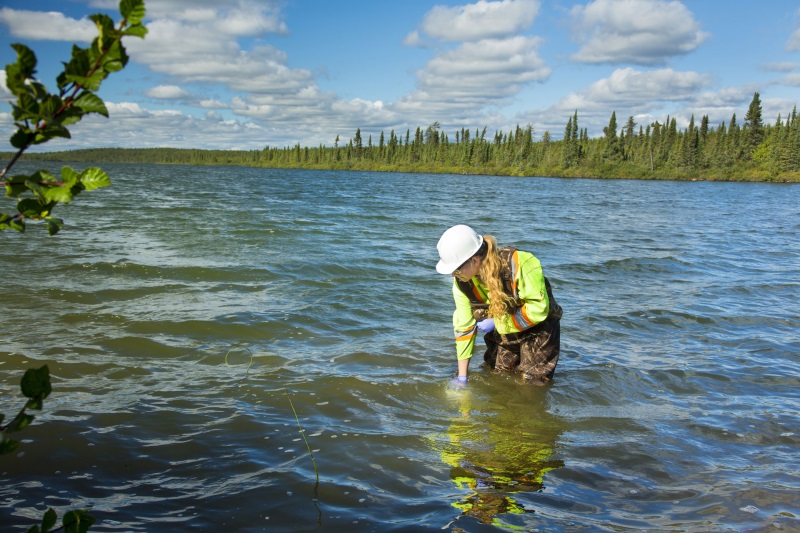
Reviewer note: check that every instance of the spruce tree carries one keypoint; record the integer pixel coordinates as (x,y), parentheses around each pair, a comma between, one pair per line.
(612,149)
(754,126)
(574,142)
(357,144)
(567,154)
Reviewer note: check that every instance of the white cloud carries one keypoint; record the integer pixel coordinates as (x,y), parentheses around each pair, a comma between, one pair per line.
(474,76)
(772,108)
(5,94)
(167,92)
(125,109)
(131,125)
(193,48)
(196,53)
(491,64)
(720,105)
(213,104)
(646,95)
(488,65)
(793,44)
(200,44)
(482,57)
(642,32)
(481,20)
(630,85)
(46,26)
(786,66)
(414,39)
(234,17)
(250,19)
(792,80)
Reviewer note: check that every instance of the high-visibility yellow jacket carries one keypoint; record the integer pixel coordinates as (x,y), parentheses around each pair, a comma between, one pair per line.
(529,290)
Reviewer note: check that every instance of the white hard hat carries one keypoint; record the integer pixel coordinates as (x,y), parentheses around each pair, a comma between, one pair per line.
(455,246)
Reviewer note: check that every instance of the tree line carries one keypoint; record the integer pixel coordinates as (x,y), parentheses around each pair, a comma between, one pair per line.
(748,151)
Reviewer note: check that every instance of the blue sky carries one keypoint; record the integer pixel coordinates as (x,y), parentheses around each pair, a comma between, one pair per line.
(243,74)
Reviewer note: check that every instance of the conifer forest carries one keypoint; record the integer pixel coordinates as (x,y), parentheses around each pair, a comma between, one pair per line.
(749,149)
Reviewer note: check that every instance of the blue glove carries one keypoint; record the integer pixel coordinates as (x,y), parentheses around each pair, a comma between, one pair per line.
(486,325)
(459,382)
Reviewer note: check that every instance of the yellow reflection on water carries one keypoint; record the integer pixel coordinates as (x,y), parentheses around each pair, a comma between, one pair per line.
(500,443)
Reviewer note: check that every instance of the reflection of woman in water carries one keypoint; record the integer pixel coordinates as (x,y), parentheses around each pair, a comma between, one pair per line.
(495,454)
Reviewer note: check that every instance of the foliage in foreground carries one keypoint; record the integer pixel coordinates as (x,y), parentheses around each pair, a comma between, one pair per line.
(35,386)
(41,116)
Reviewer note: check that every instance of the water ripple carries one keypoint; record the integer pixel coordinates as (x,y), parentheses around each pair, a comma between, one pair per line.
(198,342)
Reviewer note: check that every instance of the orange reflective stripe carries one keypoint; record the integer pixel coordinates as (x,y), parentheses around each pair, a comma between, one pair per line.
(525,316)
(477,293)
(466,335)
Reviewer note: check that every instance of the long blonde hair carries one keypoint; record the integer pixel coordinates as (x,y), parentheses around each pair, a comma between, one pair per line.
(489,273)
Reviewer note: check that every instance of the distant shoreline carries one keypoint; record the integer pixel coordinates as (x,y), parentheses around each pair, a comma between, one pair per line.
(745,172)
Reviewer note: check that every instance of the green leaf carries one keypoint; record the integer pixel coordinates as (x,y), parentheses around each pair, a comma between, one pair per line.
(8,446)
(54,225)
(136,31)
(132,11)
(50,132)
(38,90)
(79,65)
(105,28)
(14,190)
(77,522)
(91,83)
(26,60)
(93,178)
(16,186)
(50,106)
(94,52)
(15,81)
(57,194)
(71,116)
(116,58)
(36,382)
(22,138)
(43,176)
(32,208)
(89,102)
(69,177)
(47,190)
(61,81)
(49,520)
(35,403)
(18,224)
(22,421)
(27,107)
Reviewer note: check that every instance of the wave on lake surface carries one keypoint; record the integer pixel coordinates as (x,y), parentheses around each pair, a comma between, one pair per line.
(204,325)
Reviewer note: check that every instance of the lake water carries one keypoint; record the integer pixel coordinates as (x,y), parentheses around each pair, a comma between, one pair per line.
(202,324)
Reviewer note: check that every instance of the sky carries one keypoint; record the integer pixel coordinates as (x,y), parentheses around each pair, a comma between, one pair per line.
(245,74)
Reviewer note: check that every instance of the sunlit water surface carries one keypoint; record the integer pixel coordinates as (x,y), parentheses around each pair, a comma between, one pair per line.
(195,319)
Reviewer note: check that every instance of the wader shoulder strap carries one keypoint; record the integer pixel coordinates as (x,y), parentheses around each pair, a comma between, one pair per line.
(506,273)
(479,308)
